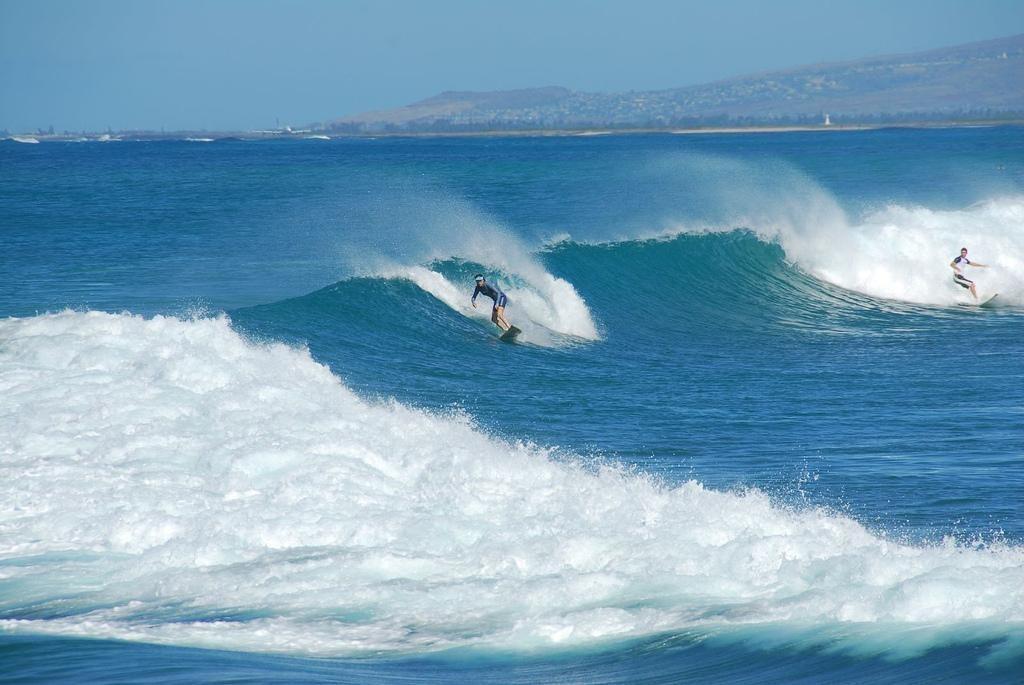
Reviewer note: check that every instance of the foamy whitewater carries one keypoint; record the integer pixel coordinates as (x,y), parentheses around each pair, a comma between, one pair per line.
(543,305)
(159,472)
(252,429)
(897,251)
(903,253)
(548,309)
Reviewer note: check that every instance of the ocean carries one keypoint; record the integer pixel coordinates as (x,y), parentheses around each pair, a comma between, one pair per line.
(252,430)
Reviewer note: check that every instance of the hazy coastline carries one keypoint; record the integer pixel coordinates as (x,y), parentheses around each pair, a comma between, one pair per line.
(223,136)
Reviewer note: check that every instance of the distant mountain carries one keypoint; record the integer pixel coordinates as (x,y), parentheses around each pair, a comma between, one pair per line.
(978,80)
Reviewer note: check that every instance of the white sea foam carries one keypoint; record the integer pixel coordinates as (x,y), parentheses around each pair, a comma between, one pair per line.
(539,306)
(903,253)
(168,481)
(896,252)
(423,227)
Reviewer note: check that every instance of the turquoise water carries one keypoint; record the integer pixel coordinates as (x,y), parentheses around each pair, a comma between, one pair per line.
(251,429)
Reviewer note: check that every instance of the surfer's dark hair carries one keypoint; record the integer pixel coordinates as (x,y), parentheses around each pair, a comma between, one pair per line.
(478,277)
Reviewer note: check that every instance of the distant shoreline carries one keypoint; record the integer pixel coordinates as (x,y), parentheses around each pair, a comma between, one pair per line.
(209,137)
(599,132)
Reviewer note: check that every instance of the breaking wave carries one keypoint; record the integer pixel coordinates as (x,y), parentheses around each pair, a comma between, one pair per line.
(170,481)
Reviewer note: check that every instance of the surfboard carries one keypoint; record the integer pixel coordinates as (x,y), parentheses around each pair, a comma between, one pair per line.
(986,302)
(511,334)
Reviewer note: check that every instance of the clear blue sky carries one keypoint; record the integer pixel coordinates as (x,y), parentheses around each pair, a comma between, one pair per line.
(234,64)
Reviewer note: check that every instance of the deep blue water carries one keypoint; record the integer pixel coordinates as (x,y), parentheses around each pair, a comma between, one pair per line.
(752,432)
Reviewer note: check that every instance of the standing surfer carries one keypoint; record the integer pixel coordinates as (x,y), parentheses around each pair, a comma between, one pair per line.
(493,292)
(958,265)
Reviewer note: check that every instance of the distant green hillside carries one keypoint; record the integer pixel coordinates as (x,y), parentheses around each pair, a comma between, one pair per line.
(980,80)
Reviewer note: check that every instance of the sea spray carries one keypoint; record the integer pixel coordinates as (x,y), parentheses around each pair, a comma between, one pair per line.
(420,227)
(543,305)
(895,251)
(169,481)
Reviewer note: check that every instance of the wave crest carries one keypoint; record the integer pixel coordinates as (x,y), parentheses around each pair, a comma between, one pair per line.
(539,304)
(897,252)
(169,481)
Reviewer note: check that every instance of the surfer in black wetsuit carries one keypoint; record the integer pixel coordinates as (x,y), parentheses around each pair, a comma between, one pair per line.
(493,292)
(959,264)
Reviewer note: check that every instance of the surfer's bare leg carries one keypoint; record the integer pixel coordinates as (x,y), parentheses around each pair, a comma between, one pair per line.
(974,292)
(498,317)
